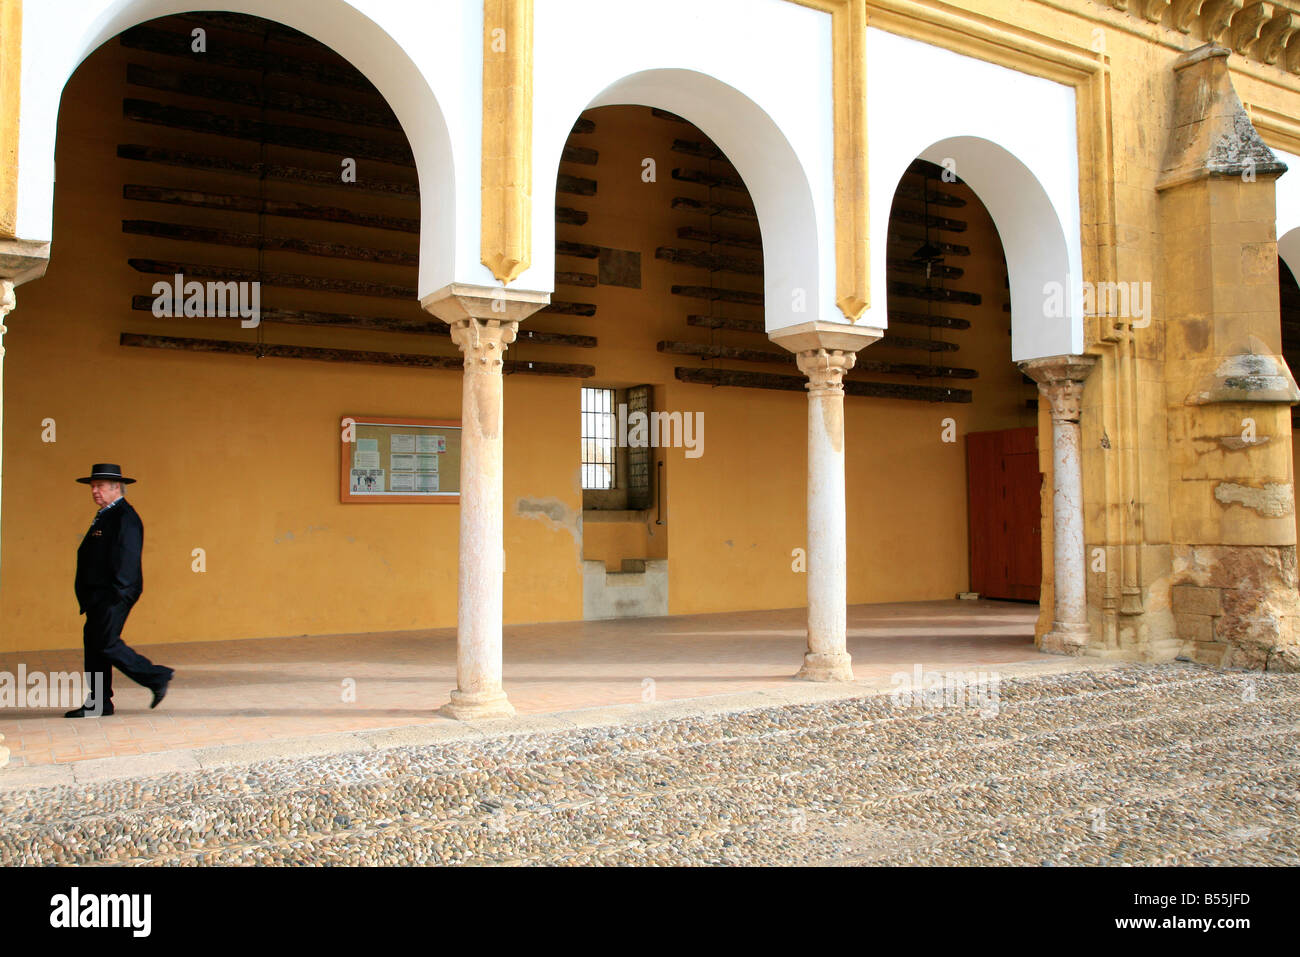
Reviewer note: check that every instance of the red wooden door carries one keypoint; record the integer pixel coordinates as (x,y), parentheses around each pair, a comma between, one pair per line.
(1006,559)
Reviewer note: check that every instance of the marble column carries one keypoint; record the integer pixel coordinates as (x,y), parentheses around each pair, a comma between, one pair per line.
(1060,379)
(825,352)
(484,321)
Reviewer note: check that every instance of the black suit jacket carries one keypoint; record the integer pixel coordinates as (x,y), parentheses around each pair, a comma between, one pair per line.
(108,561)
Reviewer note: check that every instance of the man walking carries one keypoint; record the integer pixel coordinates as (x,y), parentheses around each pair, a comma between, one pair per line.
(109,582)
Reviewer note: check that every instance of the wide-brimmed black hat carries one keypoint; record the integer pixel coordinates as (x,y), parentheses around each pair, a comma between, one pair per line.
(107,472)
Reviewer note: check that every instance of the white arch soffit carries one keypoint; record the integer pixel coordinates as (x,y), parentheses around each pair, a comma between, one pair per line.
(1288,211)
(763,157)
(1013,140)
(774,123)
(52,52)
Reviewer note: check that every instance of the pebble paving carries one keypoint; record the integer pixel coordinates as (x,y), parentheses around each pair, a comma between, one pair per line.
(1145,764)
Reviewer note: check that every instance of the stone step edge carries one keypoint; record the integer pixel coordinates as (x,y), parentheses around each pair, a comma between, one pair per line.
(443,730)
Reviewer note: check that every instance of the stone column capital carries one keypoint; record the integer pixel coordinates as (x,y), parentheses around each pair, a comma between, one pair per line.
(1060,379)
(484,320)
(825,369)
(457,302)
(825,351)
(22,260)
(484,343)
(7,303)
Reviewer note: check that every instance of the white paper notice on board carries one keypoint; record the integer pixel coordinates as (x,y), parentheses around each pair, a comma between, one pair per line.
(429,443)
(401,442)
(403,481)
(367,481)
(365,460)
(367,445)
(405,462)
(426,481)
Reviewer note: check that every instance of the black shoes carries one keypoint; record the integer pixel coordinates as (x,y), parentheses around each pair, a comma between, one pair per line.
(160,692)
(87,710)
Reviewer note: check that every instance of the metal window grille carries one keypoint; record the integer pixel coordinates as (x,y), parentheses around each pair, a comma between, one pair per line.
(638,459)
(597,438)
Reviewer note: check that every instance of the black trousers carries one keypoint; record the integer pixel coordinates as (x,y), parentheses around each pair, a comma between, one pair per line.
(105,649)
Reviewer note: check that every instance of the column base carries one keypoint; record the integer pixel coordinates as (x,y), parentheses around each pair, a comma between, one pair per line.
(1065,638)
(833,667)
(475,706)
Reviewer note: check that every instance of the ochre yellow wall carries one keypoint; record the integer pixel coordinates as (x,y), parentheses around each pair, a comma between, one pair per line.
(735,514)
(235,455)
(239,456)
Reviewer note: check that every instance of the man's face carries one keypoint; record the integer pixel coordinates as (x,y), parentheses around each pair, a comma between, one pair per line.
(105,492)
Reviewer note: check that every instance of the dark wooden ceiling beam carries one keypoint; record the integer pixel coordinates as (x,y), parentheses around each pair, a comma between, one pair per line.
(426,327)
(257,95)
(254,27)
(937,270)
(925,319)
(937,197)
(933,293)
(267,207)
(712,180)
(563,308)
(582,155)
(709,351)
(273,63)
(575,185)
(719,237)
(721,210)
(796,383)
(275,134)
(411,360)
(912,241)
(304,247)
(586,280)
(577,250)
(920,219)
(719,295)
(569,216)
(714,262)
(330,284)
(757,326)
(330,178)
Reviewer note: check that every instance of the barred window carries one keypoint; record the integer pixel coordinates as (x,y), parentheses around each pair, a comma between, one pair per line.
(598,438)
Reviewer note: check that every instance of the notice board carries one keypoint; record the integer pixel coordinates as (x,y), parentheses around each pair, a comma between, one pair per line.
(390,459)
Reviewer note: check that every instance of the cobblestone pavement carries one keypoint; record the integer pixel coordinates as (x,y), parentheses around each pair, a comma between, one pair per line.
(1167,764)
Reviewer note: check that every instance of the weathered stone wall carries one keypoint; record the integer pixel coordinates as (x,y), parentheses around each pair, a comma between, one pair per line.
(1235,606)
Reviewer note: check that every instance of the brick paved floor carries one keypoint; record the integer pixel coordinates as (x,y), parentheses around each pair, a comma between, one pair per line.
(232,692)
